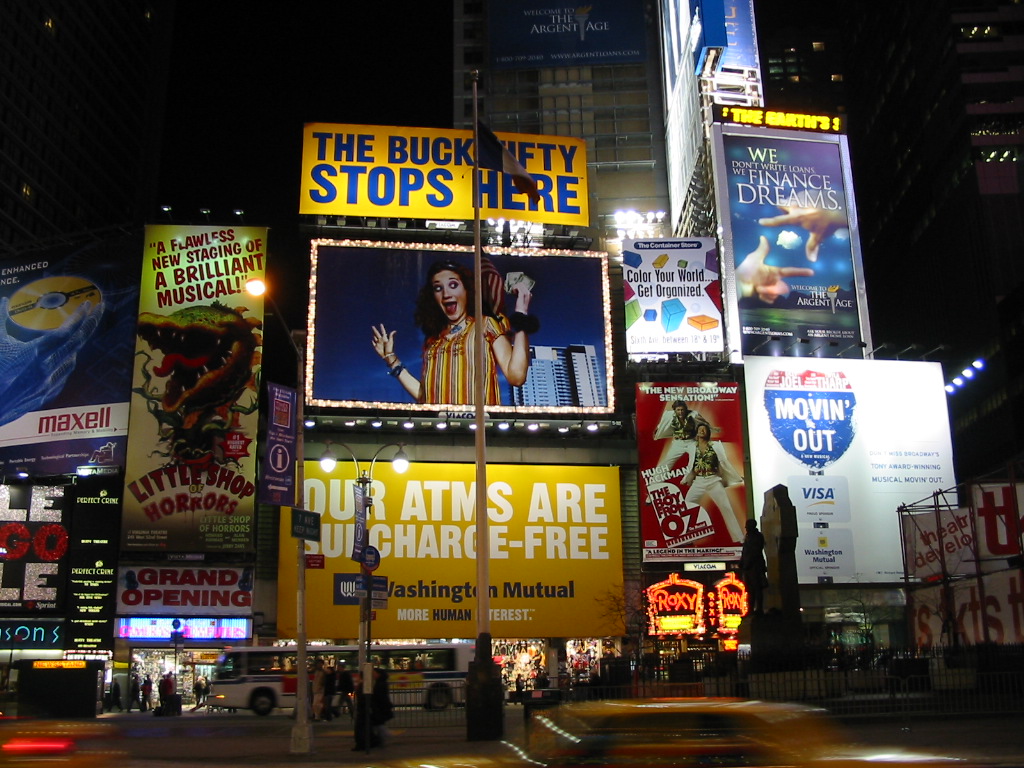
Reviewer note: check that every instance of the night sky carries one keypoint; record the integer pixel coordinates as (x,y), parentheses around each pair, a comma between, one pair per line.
(245,76)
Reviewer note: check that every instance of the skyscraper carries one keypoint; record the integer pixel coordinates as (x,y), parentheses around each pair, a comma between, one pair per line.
(80,115)
(936,96)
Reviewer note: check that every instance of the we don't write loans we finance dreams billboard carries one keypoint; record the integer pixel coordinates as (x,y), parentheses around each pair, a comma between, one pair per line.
(427,173)
(555,551)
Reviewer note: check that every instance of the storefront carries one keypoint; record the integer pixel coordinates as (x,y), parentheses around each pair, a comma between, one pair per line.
(159,633)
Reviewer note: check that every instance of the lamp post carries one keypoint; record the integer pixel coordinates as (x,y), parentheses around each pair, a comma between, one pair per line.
(302,730)
(364,505)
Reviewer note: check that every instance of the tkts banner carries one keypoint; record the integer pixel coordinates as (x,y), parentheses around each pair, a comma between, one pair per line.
(1000,508)
(693,499)
(190,477)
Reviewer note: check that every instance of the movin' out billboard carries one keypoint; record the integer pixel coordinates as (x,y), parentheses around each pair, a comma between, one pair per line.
(427,173)
(392,325)
(189,481)
(794,283)
(852,441)
(555,551)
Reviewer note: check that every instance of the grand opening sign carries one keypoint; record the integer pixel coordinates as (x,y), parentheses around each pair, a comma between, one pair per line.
(427,173)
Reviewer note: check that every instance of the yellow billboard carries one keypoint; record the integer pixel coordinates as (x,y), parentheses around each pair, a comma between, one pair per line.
(555,552)
(427,173)
(191,463)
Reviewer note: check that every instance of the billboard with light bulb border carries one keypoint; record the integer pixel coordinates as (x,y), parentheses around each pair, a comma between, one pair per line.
(362,290)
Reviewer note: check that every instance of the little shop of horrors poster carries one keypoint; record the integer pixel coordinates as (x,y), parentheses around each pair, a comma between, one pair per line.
(191,466)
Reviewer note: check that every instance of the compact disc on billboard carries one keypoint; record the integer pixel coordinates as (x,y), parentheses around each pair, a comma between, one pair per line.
(46,304)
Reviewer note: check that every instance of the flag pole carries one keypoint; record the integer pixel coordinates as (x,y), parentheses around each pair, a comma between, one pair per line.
(483,560)
(484,697)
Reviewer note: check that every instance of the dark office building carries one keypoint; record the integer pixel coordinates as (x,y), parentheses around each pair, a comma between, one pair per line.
(936,105)
(81,89)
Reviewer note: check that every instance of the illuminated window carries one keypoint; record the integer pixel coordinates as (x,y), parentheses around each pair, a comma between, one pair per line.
(837,78)
(818,46)
(26,191)
(794,78)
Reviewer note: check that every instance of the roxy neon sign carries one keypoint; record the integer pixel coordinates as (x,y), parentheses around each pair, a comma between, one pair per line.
(679,606)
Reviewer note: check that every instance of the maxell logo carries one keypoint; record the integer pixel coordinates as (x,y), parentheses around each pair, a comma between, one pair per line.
(73,422)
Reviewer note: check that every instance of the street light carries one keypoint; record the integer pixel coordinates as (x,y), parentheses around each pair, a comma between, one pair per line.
(302,730)
(364,501)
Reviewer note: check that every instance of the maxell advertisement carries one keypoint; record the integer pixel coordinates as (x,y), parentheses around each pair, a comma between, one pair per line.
(693,493)
(555,551)
(427,173)
(851,440)
(794,282)
(190,477)
(68,327)
(527,34)
(404,334)
(673,296)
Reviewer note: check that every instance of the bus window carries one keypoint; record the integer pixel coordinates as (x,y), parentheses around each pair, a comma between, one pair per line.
(264,663)
(227,667)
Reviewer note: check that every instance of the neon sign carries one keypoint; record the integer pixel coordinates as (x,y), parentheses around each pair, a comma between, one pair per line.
(771,118)
(678,606)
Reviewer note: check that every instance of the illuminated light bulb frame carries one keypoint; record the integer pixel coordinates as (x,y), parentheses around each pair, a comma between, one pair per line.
(488,250)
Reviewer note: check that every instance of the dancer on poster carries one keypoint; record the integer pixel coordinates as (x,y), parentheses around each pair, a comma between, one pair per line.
(693,500)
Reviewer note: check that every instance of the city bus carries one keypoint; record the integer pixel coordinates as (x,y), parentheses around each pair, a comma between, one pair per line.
(262,678)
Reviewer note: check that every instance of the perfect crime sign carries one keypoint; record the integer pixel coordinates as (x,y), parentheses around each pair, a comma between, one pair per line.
(427,173)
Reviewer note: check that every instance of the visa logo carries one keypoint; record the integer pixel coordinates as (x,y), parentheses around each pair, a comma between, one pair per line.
(819,494)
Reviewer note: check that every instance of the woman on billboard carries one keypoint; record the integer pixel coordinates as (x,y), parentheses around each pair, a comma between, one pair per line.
(444,312)
(708,475)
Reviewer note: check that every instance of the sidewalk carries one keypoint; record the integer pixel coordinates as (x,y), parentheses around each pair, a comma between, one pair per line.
(200,740)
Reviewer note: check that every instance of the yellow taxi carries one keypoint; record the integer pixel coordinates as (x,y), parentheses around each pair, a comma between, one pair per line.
(702,733)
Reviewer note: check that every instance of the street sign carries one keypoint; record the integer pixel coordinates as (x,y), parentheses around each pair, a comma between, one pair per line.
(316,561)
(305,525)
(277,483)
(361,497)
(371,558)
(378,589)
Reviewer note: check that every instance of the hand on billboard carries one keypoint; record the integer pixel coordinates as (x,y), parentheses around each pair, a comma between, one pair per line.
(34,372)
(755,277)
(523,296)
(384,343)
(819,222)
